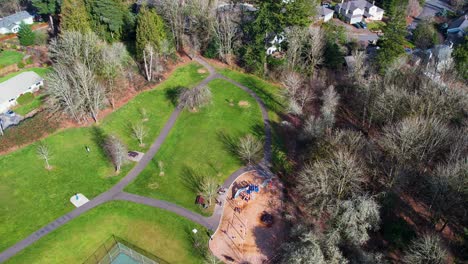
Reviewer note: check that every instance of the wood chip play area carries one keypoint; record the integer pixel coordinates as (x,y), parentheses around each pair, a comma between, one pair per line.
(252,227)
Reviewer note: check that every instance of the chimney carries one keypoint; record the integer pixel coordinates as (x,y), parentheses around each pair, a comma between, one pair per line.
(373,3)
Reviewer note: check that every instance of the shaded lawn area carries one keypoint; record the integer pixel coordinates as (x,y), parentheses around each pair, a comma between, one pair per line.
(31,196)
(40,71)
(195,146)
(8,57)
(160,232)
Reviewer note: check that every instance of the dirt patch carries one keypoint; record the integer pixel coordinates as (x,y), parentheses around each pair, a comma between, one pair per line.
(244,104)
(250,231)
(201,71)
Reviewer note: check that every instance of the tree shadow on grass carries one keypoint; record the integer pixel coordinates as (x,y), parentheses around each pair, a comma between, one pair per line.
(99,138)
(172,94)
(192,179)
(229,142)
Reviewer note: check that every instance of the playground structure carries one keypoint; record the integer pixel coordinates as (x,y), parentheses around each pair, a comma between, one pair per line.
(242,234)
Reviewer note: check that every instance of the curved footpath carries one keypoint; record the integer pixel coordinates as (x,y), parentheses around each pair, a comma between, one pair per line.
(117,193)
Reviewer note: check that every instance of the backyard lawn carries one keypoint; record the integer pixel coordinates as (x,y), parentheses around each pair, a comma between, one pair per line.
(162,233)
(27,107)
(40,71)
(31,196)
(195,146)
(8,57)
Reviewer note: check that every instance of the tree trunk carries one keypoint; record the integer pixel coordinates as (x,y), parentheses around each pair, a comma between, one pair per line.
(51,23)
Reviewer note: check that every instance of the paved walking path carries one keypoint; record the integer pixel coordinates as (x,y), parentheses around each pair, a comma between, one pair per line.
(117,193)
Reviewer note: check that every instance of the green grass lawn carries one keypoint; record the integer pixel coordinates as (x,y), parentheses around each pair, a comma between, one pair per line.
(269,93)
(26,108)
(376,25)
(195,145)
(31,196)
(8,57)
(157,231)
(40,71)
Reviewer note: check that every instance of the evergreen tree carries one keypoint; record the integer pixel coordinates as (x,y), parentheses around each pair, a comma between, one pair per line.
(26,35)
(150,30)
(425,35)
(74,16)
(460,55)
(107,18)
(272,18)
(392,43)
(47,7)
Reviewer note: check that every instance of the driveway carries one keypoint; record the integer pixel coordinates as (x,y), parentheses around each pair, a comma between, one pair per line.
(8,120)
(360,34)
(430,9)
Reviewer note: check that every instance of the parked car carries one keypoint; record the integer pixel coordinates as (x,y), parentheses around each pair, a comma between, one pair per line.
(10,113)
(363,24)
(357,25)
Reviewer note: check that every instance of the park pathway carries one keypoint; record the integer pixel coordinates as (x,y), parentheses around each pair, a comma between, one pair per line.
(117,193)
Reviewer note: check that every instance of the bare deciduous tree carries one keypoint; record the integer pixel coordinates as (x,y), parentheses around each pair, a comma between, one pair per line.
(112,66)
(354,218)
(117,152)
(330,101)
(226,30)
(306,46)
(195,97)
(44,153)
(92,91)
(148,61)
(139,131)
(209,188)
(327,181)
(249,149)
(297,92)
(426,249)
(173,11)
(359,68)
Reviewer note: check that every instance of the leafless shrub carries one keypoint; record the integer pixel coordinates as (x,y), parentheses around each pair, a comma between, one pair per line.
(195,97)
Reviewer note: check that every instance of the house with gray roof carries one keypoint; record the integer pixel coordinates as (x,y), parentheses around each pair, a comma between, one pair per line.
(357,10)
(11,23)
(324,13)
(11,89)
(459,25)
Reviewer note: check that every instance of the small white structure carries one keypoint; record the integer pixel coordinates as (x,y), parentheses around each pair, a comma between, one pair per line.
(78,199)
(11,89)
(11,23)
(357,10)
(324,13)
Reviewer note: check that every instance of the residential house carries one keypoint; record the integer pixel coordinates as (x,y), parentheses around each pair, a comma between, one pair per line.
(324,13)
(11,89)
(357,10)
(11,23)
(459,25)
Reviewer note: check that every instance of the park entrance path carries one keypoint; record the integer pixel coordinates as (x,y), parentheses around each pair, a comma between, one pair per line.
(117,193)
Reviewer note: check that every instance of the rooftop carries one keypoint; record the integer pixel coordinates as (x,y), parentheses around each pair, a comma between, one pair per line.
(13,19)
(18,85)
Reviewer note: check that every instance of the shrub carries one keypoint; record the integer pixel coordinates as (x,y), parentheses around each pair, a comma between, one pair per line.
(194,98)
(21,65)
(29,61)
(25,98)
